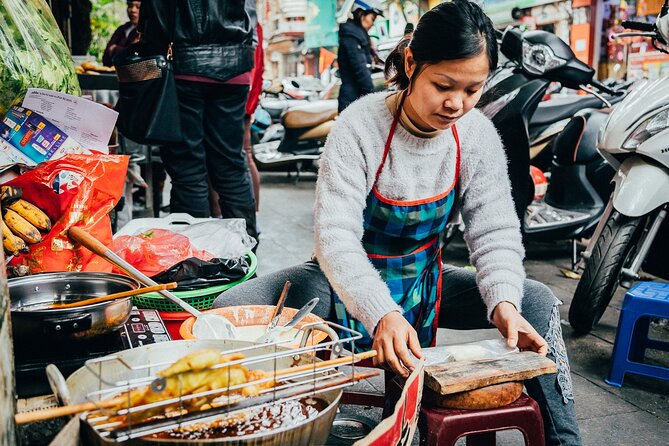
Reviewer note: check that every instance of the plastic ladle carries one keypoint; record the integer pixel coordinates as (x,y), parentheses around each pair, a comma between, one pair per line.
(207,325)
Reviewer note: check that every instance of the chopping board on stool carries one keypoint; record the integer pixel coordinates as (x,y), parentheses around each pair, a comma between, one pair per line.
(483,383)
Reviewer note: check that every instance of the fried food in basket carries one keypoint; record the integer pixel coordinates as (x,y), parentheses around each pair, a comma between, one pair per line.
(193,374)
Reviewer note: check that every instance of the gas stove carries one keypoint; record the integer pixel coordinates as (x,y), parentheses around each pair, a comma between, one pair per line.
(142,328)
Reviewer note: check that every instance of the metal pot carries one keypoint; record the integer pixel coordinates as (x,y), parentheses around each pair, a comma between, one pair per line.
(32,322)
(84,381)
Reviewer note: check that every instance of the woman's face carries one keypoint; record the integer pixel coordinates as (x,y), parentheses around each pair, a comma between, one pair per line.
(442,93)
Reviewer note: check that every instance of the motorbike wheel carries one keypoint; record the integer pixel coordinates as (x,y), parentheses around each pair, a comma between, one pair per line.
(601,276)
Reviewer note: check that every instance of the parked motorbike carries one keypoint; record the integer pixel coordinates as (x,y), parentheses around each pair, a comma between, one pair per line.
(635,141)
(306,129)
(539,58)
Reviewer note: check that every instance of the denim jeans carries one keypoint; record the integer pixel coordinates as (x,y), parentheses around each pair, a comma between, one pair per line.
(462,309)
(212,123)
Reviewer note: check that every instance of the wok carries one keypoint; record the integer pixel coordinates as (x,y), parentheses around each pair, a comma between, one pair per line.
(83,381)
(34,323)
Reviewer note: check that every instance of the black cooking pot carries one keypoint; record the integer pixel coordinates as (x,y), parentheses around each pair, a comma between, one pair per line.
(33,321)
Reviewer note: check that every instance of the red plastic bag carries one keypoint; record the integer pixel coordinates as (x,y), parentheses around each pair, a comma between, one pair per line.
(156,250)
(75,190)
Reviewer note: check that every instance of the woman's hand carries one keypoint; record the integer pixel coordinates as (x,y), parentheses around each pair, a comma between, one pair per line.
(517,331)
(392,336)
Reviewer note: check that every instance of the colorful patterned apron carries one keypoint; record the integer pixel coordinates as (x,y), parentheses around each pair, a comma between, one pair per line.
(403,242)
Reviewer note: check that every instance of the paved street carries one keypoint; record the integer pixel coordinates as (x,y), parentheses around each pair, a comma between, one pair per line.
(636,414)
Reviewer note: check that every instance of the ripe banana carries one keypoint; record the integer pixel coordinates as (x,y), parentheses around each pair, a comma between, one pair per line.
(32,213)
(9,194)
(21,227)
(13,244)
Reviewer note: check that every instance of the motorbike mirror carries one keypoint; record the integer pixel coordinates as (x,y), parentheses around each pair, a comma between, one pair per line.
(662,25)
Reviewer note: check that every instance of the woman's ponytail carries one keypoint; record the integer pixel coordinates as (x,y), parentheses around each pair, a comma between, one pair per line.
(394,68)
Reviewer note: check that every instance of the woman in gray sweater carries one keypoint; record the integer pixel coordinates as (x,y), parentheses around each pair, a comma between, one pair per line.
(395,168)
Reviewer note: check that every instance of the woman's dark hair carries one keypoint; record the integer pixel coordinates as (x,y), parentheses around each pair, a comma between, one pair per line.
(454,30)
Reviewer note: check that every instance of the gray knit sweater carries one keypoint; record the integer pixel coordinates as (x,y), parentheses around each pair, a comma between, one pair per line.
(416,168)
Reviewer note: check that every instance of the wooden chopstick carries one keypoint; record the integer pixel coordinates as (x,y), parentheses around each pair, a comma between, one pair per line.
(55,412)
(95,300)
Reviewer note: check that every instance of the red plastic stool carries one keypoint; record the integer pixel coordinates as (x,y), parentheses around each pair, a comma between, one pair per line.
(443,427)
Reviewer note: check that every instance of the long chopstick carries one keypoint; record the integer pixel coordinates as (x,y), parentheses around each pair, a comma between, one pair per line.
(95,300)
(55,412)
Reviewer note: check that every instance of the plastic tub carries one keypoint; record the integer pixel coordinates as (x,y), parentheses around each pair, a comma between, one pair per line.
(173,321)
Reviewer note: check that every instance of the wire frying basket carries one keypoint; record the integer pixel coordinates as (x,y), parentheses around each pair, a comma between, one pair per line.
(136,400)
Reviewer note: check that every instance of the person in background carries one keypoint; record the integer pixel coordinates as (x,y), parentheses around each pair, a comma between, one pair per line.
(213,49)
(251,105)
(355,55)
(124,35)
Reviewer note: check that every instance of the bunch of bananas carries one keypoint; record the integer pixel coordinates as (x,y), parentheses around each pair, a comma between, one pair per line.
(22,222)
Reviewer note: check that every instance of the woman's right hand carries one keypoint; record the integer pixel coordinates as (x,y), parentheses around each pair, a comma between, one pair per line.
(392,337)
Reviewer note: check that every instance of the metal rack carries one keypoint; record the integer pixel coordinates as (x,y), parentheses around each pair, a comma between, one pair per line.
(125,422)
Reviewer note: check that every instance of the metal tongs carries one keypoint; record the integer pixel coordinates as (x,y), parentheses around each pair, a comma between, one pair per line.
(273,334)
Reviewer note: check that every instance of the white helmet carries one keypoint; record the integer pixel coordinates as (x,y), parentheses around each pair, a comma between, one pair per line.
(368,5)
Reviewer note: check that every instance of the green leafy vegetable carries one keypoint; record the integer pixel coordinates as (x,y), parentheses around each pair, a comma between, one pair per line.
(33,52)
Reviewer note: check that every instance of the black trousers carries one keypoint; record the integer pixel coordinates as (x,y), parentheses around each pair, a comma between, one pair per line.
(212,123)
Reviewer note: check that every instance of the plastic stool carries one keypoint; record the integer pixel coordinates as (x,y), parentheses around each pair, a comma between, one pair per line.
(443,427)
(645,300)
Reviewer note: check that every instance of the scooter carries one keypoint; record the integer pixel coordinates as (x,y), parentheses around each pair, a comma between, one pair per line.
(540,58)
(300,148)
(635,141)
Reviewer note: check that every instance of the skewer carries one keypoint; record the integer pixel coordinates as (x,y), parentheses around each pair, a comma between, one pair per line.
(46,414)
(95,300)
(127,431)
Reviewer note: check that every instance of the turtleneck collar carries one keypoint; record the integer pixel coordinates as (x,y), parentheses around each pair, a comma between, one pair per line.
(392,102)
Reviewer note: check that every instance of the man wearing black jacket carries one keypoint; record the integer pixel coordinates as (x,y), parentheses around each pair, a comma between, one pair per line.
(355,55)
(213,47)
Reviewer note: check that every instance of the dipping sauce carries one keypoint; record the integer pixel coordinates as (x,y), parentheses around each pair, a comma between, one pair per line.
(252,421)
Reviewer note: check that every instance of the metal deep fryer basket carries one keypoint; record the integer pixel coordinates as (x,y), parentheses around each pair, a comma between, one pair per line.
(118,425)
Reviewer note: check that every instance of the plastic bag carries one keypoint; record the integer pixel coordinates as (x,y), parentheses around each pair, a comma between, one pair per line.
(487,349)
(33,52)
(75,190)
(224,238)
(156,250)
(194,274)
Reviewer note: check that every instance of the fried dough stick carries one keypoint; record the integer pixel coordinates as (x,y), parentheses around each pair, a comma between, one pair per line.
(193,374)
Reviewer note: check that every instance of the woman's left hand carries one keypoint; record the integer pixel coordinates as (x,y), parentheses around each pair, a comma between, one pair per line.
(517,331)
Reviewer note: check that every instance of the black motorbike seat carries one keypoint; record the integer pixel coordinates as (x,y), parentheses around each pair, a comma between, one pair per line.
(556,110)
(577,143)
(310,115)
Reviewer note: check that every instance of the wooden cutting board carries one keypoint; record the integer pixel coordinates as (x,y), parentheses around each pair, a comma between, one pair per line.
(454,377)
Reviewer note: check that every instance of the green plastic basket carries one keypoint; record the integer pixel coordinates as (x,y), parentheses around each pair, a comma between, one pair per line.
(201,299)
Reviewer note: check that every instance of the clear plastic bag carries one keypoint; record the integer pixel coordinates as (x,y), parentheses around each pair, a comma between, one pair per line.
(224,238)
(487,349)
(33,52)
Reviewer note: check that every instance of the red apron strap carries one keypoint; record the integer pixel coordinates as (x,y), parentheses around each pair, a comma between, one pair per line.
(393,126)
(457,154)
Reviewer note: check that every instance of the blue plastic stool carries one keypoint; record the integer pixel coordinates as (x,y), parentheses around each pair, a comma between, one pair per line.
(645,300)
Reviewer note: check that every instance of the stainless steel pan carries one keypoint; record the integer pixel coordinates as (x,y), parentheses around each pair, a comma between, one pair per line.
(84,381)
(33,322)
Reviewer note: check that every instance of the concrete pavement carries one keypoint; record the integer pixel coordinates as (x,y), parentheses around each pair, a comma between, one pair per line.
(637,413)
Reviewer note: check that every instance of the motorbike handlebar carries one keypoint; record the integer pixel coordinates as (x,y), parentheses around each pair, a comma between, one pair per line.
(605,89)
(639,26)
